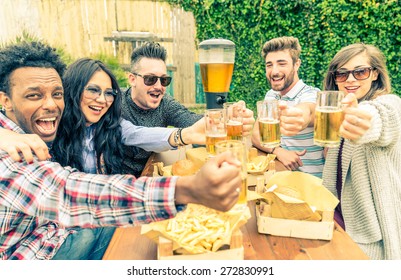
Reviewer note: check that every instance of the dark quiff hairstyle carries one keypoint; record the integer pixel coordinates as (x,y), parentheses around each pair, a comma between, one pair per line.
(68,145)
(281,44)
(26,54)
(149,50)
(376,59)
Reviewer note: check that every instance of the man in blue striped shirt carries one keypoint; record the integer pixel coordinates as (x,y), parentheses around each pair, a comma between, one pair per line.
(297,150)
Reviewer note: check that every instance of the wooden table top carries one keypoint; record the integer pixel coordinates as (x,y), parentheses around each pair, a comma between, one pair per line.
(129,244)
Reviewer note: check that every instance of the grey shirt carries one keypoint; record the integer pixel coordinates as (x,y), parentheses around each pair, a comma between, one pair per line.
(169,113)
(371,186)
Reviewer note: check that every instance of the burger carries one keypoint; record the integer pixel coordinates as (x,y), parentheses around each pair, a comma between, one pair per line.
(183,167)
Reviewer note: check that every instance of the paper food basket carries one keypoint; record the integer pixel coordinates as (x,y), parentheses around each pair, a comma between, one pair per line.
(311,191)
(165,247)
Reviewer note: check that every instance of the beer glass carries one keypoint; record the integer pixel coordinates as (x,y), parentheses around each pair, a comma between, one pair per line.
(269,122)
(216,129)
(237,148)
(233,112)
(328,118)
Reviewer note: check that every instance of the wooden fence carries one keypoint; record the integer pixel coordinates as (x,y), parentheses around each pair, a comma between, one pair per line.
(81,28)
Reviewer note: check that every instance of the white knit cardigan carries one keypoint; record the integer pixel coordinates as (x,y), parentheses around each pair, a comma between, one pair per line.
(371,187)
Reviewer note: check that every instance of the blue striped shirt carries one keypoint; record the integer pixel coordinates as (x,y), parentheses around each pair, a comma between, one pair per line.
(313,160)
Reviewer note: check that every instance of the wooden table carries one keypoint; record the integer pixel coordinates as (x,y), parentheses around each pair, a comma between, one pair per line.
(129,244)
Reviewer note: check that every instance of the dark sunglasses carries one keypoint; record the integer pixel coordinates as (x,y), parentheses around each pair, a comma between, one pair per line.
(359,74)
(93,92)
(150,80)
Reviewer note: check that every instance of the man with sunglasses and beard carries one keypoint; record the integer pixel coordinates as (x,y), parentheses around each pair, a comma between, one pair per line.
(297,150)
(146,104)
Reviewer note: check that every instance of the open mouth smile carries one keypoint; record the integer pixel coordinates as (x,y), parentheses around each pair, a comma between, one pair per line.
(46,126)
(95,108)
(155,95)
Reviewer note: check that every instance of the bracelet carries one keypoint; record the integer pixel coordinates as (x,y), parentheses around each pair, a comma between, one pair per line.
(272,151)
(179,132)
(176,138)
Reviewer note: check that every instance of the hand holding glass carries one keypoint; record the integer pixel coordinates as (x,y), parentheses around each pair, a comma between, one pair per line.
(216,129)
(269,123)
(328,118)
(237,149)
(233,112)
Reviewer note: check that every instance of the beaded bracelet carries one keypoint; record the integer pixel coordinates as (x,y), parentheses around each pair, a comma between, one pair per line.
(177,138)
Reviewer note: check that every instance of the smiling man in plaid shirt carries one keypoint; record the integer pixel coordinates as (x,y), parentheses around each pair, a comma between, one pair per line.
(44,207)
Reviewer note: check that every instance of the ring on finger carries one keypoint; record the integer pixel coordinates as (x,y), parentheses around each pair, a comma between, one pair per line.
(358,120)
(237,190)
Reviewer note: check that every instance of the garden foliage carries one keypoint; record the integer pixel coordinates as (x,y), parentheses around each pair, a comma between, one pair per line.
(322,27)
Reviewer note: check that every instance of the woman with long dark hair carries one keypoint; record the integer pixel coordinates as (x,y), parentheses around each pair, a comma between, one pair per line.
(91,132)
(89,135)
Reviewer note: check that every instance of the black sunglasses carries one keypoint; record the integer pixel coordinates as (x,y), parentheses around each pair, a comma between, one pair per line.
(359,74)
(150,80)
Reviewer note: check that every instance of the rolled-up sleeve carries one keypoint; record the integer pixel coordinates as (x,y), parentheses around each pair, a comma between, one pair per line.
(48,191)
(151,139)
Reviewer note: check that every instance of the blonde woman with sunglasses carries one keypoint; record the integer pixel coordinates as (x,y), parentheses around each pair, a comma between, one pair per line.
(364,172)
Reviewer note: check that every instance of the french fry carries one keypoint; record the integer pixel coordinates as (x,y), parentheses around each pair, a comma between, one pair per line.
(204,229)
(199,229)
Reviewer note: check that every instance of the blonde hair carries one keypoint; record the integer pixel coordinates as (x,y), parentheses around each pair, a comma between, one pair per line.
(377,60)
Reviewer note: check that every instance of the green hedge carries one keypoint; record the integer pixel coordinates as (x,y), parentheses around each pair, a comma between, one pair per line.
(322,27)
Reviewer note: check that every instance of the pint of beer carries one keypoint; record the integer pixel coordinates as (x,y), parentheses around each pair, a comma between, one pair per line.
(269,131)
(216,129)
(269,122)
(233,111)
(234,130)
(328,118)
(237,148)
(211,141)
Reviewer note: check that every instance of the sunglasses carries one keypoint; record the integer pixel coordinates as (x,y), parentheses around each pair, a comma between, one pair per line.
(359,74)
(93,92)
(150,80)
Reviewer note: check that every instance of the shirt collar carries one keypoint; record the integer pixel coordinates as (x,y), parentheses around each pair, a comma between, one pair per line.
(9,124)
(6,123)
(294,91)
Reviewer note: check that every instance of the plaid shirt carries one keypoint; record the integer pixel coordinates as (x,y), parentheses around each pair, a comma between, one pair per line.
(42,201)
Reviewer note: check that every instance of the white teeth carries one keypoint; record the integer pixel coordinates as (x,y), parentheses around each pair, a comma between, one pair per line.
(48,120)
(96,108)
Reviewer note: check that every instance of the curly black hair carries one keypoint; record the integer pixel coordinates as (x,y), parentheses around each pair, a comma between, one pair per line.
(27,54)
(68,146)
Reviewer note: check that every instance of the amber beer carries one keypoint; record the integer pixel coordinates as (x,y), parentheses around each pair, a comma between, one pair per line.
(327,126)
(216,77)
(269,133)
(211,141)
(234,130)
(242,199)
(237,148)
